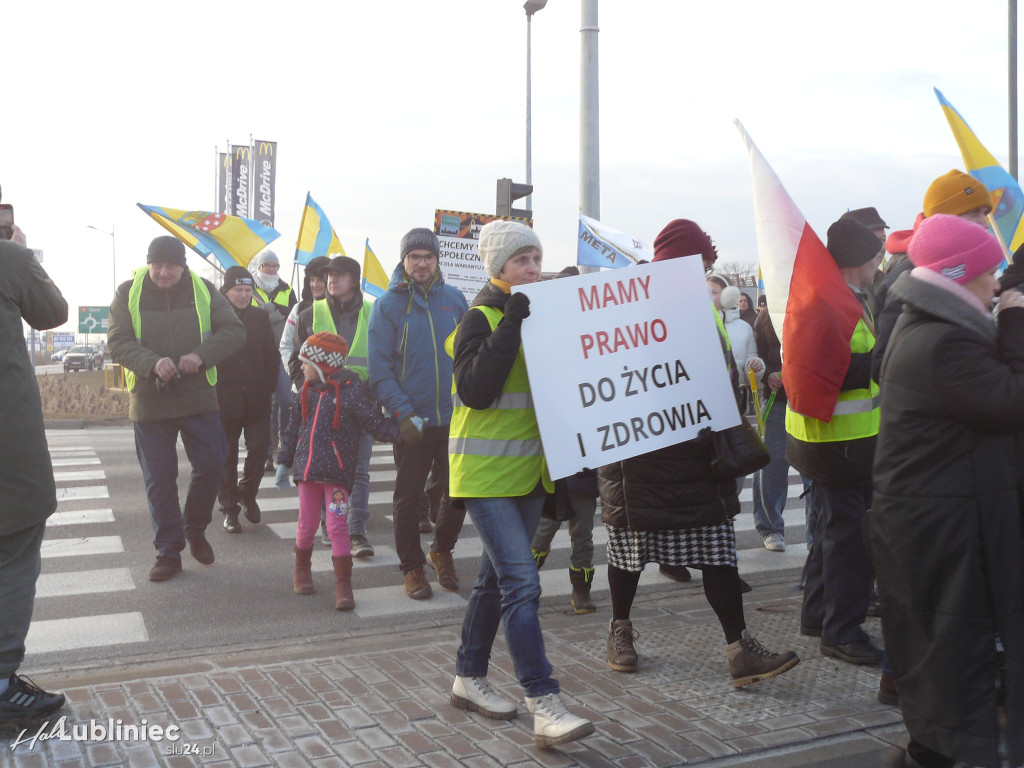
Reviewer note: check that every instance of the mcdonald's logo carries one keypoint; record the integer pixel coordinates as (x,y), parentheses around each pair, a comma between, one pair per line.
(266,148)
(241,153)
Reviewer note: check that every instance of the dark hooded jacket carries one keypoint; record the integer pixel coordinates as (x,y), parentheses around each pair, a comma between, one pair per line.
(246,379)
(322,444)
(946,523)
(28,494)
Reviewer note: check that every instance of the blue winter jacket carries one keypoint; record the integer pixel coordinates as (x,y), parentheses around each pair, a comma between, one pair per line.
(315,450)
(410,372)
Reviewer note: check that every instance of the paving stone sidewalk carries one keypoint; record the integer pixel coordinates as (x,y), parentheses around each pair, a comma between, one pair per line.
(382,699)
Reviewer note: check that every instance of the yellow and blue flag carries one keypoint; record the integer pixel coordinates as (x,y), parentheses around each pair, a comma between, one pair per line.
(316,235)
(375,279)
(232,240)
(1006,193)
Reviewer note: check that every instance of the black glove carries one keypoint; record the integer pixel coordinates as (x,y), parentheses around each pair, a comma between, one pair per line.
(517,308)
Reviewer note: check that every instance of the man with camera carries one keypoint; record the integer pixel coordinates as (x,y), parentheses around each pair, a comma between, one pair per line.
(169,328)
(27,489)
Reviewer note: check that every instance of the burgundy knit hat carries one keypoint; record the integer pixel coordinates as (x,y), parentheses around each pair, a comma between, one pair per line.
(955,248)
(683,237)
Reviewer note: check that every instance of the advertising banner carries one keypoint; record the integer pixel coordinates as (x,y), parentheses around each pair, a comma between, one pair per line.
(624,362)
(241,176)
(265,168)
(224,203)
(460,263)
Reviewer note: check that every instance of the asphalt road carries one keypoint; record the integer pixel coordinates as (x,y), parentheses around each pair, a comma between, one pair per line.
(96,604)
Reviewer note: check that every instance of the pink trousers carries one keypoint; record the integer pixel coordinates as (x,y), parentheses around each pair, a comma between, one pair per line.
(335,498)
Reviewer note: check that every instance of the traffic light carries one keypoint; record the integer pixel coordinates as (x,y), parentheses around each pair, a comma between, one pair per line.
(508,193)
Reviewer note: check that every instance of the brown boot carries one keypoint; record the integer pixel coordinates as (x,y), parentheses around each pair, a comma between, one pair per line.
(443,563)
(621,652)
(343,598)
(749,661)
(302,579)
(416,585)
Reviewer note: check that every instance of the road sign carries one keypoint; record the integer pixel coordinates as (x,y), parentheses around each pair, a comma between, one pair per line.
(93,319)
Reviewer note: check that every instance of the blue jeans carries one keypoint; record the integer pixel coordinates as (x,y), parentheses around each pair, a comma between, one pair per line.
(359,494)
(156,446)
(507,590)
(771,484)
(838,569)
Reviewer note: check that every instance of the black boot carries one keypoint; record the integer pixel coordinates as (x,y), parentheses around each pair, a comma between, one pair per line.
(539,557)
(581,580)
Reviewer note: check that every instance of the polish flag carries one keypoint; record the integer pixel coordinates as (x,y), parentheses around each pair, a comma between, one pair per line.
(812,308)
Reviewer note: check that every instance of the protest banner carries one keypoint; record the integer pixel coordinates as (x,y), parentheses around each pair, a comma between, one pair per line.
(624,362)
(457,233)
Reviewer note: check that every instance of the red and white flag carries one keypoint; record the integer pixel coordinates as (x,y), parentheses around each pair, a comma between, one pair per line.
(811,306)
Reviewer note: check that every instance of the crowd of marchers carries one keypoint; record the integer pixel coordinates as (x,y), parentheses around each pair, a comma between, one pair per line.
(911,470)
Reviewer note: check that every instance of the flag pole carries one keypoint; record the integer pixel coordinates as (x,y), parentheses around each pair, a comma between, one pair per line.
(1012,79)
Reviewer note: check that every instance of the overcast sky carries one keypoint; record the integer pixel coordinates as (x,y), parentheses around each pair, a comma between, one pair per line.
(387,110)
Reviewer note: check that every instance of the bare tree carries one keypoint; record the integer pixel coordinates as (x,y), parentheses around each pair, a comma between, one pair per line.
(739,273)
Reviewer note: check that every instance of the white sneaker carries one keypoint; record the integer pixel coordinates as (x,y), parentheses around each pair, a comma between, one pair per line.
(553,723)
(774,542)
(476,694)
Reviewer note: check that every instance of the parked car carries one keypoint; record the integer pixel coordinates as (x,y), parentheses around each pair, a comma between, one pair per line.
(83,358)
(58,356)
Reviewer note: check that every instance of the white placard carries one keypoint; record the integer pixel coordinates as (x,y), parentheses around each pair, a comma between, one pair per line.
(624,362)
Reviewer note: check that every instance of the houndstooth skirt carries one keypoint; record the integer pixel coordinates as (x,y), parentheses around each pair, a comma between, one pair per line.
(710,545)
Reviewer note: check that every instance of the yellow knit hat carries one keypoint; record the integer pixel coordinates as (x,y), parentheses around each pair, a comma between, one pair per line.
(955,193)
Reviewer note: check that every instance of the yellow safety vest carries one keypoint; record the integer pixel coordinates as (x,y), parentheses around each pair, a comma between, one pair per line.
(281,299)
(496,452)
(856,414)
(324,321)
(202,297)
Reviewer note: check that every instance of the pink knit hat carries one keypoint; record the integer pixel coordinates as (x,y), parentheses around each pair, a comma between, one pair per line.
(955,248)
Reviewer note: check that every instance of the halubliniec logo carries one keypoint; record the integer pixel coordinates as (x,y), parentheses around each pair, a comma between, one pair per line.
(110,730)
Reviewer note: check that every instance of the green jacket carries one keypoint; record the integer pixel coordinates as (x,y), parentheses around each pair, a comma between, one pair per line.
(27,492)
(170,328)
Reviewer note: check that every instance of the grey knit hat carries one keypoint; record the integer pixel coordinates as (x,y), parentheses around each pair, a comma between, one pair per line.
(500,240)
(166,250)
(266,256)
(420,239)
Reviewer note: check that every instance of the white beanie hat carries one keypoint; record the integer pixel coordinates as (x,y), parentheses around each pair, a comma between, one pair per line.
(266,256)
(500,239)
(730,297)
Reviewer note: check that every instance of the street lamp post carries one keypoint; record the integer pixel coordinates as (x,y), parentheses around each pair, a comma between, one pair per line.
(531,6)
(113,249)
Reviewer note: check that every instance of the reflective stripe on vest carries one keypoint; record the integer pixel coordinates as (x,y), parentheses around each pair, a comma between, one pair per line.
(856,414)
(496,452)
(323,320)
(202,299)
(281,298)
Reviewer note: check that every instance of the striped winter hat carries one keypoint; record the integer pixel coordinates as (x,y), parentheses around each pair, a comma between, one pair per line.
(324,351)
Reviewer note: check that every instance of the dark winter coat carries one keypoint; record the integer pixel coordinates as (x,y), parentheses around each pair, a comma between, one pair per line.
(946,523)
(410,372)
(317,451)
(246,379)
(170,328)
(886,312)
(27,492)
(484,359)
(670,488)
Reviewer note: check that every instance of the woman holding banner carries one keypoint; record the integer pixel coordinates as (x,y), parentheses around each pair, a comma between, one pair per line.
(497,470)
(665,507)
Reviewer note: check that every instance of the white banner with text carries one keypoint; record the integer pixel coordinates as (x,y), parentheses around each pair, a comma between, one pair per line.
(624,362)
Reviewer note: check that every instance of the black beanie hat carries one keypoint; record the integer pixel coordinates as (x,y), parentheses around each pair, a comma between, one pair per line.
(166,250)
(851,243)
(236,276)
(420,239)
(343,264)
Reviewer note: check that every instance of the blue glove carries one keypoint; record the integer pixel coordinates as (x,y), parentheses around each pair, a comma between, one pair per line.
(417,422)
(282,480)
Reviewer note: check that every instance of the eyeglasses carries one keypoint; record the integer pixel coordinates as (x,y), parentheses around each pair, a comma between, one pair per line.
(269,267)
(427,259)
